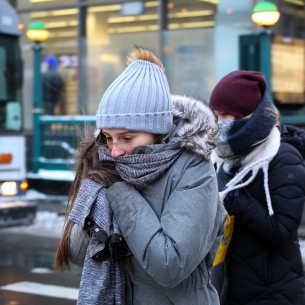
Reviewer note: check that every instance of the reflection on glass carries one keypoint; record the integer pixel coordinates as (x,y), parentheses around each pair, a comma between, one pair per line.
(62,45)
(189,62)
(288,70)
(110,36)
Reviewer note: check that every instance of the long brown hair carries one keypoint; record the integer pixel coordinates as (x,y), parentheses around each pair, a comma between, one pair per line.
(87,166)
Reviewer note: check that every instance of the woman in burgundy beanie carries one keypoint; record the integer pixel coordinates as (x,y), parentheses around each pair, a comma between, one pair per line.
(261,178)
(238,93)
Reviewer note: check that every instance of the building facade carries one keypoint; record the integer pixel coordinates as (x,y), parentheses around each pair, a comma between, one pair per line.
(198,41)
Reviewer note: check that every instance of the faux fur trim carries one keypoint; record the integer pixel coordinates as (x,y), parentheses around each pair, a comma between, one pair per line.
(197,125)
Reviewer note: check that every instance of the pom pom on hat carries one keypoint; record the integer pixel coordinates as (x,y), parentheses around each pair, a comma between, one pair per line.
(139,99)
(238,93)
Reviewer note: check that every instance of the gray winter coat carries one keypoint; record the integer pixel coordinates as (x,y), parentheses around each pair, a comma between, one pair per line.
(173,225)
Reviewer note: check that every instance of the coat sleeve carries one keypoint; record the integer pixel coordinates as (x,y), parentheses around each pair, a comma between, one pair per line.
(287,188)
(169,248)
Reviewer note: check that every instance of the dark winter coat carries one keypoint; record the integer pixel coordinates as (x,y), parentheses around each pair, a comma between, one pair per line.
(264,264)
(52,86)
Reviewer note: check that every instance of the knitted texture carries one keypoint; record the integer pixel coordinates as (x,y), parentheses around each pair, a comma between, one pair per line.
(138,169)
(238,93)
(102,282)
(139,99)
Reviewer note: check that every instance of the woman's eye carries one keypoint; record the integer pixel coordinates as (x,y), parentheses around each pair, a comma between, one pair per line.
(108,139)
(127,139)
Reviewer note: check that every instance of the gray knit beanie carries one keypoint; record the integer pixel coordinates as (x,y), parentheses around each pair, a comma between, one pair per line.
(139,99)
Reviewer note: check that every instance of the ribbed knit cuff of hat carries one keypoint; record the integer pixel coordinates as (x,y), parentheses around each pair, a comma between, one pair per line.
(156,123)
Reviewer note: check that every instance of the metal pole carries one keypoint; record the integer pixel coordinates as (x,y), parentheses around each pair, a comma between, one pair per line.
(162,21)
(37,107)
(265,58)
(82,61)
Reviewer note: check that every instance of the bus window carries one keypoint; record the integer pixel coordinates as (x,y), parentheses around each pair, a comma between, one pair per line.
(10,83)
(13,116)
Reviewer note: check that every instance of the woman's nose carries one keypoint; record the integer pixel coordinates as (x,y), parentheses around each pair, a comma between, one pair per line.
(117,150)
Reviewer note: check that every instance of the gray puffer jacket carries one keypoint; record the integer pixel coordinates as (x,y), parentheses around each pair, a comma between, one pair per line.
(173,226)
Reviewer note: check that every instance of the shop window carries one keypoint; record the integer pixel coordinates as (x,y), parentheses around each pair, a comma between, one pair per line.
(187,41)
(189,47)
(288,76)
(191,14)
(112,31)
(59,53)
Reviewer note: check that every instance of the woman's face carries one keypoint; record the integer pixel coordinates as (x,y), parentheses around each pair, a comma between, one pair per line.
(222,116)
(122,142)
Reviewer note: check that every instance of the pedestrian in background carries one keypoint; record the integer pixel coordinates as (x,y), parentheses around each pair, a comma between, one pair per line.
(52,85)
(261,178)
(166,202)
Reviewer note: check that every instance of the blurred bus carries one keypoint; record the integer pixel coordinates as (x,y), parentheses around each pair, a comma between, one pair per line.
(13,207)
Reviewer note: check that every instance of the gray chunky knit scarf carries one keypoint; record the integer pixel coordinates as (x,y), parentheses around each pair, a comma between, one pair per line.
(103,281)
(138,169)
(103,278)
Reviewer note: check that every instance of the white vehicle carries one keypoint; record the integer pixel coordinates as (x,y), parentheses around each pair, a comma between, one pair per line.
(14,209)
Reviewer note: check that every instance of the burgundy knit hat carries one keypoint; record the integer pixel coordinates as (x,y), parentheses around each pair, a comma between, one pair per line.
(238,93)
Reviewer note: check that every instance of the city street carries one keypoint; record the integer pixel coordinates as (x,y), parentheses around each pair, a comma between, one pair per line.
(170,69)
(26,259)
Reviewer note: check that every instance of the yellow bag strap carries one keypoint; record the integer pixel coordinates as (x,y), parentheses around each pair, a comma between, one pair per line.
(225,240)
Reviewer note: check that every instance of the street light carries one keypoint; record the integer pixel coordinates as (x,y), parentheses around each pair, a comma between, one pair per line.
(265,14)
(37,33)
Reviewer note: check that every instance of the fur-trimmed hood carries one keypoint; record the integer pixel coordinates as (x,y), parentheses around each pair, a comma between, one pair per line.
(196,125)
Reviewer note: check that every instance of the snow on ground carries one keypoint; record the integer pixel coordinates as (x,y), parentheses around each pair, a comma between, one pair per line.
(35,195)
(47,223)
(60,175)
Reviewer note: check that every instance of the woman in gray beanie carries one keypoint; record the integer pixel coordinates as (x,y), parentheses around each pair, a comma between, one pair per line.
(165,204)
(261,176)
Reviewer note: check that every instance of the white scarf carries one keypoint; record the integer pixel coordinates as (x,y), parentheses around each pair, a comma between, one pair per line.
(258,159)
